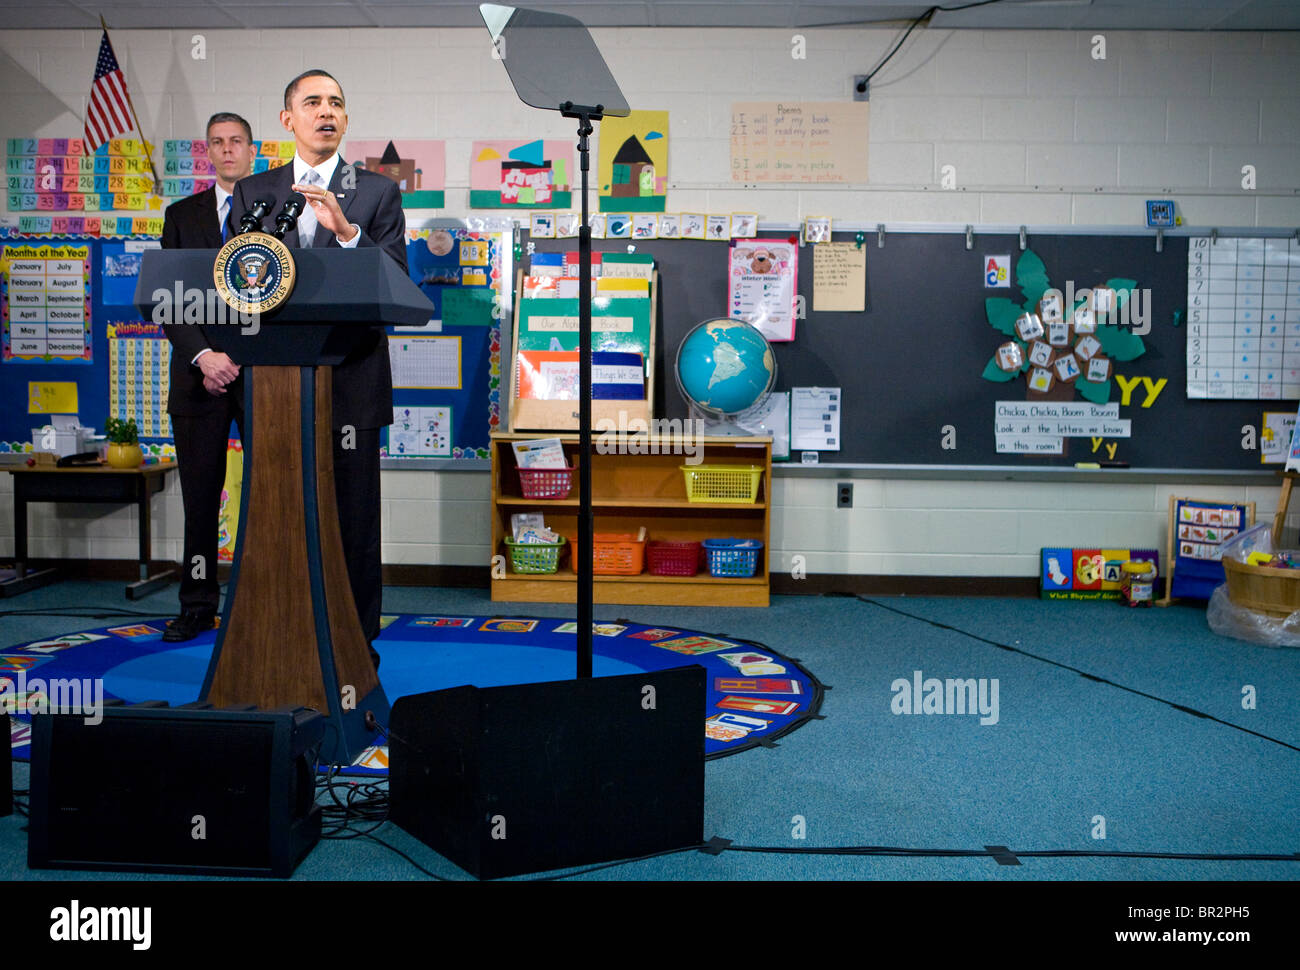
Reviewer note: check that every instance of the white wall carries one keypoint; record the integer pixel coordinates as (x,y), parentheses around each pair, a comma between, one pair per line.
(1040,132)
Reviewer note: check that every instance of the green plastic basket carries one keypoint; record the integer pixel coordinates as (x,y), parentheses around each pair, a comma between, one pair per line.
(535,557)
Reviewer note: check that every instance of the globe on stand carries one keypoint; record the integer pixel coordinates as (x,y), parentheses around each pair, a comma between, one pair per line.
(725,370)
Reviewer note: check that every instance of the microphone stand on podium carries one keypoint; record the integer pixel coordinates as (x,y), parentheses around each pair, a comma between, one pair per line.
(290,633)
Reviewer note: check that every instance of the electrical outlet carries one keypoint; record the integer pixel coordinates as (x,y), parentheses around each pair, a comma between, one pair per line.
(844,495)
(861,88)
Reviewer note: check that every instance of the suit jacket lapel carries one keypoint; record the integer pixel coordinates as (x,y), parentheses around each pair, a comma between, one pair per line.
(323,236)
(283,189)
(211,231)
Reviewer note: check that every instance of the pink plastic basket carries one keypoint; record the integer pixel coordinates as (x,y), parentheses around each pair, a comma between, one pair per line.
(546,482)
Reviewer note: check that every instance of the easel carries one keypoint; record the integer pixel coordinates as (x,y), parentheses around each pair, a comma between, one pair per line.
(1284,500)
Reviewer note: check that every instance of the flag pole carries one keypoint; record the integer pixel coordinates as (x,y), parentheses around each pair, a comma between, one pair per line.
(157,183)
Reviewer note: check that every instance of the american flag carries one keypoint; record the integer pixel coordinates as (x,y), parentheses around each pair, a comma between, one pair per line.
(108,114)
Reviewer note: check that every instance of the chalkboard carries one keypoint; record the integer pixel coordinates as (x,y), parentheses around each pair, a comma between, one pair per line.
(911,365)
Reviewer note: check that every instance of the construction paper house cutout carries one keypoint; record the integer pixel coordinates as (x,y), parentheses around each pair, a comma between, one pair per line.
(634,172)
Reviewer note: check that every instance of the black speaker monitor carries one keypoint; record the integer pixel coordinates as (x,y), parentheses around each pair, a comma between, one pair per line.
(506,780)
(189,789)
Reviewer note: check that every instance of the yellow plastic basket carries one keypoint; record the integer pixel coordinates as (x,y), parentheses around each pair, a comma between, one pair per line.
(722,483)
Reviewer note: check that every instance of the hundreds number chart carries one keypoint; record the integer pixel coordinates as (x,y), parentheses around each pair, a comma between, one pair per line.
(1243,318)
(139,356)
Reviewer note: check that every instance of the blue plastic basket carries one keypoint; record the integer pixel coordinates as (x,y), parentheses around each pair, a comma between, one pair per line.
(732,558)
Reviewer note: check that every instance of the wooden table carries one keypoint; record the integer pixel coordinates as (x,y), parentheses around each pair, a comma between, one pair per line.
(99,484)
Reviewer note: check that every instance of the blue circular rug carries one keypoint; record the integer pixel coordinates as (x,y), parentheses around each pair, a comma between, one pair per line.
(755,695)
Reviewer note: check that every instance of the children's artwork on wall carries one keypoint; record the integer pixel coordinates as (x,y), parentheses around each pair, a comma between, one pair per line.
(632,166)
(521,175)
(417,165)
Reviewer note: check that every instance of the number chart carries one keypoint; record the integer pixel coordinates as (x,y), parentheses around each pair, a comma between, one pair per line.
(138,378)
(1243,318)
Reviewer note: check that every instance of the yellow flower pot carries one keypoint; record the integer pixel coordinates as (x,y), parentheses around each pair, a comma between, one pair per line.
(125,456)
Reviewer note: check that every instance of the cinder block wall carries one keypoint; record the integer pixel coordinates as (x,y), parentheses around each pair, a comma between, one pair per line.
(1038,130)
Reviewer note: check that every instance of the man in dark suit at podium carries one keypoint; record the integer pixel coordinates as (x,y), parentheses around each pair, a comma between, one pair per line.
(346,207)
(205,389)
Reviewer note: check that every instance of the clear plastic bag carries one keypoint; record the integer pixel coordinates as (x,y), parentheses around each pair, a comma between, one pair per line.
(1228,619)
(1258,538)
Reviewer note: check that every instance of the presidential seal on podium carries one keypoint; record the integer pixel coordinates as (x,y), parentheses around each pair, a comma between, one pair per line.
(254,272)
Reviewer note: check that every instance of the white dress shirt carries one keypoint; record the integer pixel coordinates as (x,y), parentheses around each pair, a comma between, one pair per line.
(326,172)
(223,199)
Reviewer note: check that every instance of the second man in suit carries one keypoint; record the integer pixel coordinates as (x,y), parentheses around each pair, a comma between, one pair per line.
(205,390)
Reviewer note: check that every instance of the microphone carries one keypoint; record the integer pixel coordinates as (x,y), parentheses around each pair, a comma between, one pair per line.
(288,217)
(251,221)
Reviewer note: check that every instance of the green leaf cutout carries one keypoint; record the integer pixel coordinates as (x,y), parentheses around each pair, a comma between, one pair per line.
(1119,343)
(1097,393)
(1002,314)
(1031,277)
(1123,289)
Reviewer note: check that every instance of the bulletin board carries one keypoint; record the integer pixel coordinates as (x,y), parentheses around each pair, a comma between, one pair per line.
(447,376)
(76,343)
(117,366)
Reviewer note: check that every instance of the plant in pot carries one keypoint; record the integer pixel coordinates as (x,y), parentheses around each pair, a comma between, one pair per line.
(124,443)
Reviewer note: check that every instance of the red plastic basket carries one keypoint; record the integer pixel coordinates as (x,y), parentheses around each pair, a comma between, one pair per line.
(674,558)
(546,482)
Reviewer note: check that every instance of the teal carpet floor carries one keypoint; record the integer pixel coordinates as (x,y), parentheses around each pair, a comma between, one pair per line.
(1116,733)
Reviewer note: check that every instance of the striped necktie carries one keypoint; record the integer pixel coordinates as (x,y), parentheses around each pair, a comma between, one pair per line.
(307,220)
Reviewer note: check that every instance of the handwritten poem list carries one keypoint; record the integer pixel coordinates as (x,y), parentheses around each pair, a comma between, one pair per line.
(797,141)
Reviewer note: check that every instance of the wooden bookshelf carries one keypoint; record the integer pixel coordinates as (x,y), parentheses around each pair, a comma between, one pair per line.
(637,481)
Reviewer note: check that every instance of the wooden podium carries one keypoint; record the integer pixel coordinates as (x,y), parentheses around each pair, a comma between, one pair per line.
(290,634)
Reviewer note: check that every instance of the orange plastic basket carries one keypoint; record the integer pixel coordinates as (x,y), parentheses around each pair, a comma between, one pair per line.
(617,555)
